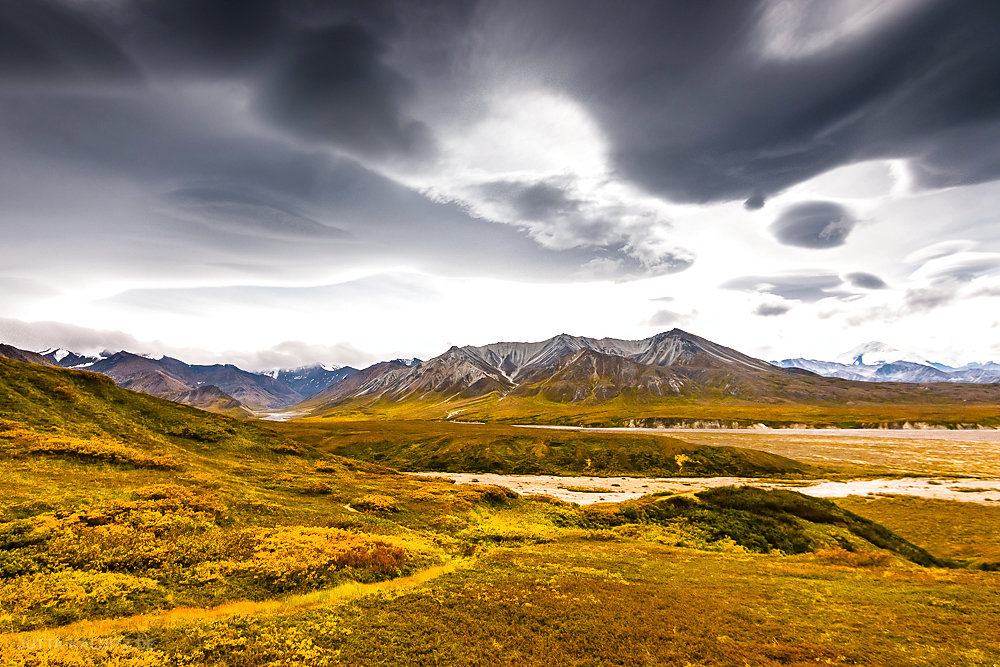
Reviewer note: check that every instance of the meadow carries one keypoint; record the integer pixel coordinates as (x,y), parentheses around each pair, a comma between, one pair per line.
(627,409)
(135,531)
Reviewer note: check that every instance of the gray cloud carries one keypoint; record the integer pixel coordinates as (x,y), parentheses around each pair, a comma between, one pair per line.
(771,309)
(295,353)
(665,318)
(948,281)
(967,269)
(150,183)
(805,287)
(865,280)
(532,201)
(38,336)
(743,123)
(925,299)
(244,213)
(815,224)
(50,42)
(624,238)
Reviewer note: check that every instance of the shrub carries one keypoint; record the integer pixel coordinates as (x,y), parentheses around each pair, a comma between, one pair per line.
(317,488)
(295,556)
(96,449)
(69,595)
(200,432)
(375,503)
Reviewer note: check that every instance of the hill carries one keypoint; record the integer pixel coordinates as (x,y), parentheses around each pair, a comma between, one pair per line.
(11,352)
(448,447)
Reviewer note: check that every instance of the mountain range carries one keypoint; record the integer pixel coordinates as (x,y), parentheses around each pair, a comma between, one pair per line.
(670,368)
(879,362)
(219,387)
(562,375)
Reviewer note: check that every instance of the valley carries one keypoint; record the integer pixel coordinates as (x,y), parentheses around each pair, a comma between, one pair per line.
(137,531)
(588,490)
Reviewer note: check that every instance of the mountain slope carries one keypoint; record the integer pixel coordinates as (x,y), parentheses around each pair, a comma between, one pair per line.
(241,391)
(570,368)
(367,382)
(169,378)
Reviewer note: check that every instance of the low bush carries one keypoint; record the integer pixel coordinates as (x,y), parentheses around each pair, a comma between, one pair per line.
(63,597)
(840,556)
(375,503)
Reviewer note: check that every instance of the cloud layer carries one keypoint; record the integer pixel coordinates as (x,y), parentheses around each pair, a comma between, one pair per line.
(157,150)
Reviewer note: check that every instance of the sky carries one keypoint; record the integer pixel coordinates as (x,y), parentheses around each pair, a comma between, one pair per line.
(279,182)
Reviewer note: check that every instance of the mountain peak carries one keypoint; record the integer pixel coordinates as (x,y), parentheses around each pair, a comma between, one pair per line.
(876,352)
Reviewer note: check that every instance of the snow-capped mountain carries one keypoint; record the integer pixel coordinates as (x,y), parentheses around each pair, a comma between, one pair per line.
(68,359)
(879,362)
(308,380)
(875,353)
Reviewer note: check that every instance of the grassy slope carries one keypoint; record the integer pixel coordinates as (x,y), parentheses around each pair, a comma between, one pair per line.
(625,409)
(115,503)
(587,601)
(447,447)
(118,494)
(947,528)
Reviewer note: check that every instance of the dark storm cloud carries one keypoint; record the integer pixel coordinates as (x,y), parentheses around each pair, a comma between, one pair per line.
(43,41)
(805,287)
(816,224)
(214,35)
(108,107)
(333,86)
(693,105)
(771,309)
(696,108)
(315,69)
(159,182)
(865,280)
(223,37)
